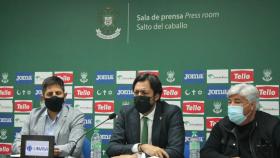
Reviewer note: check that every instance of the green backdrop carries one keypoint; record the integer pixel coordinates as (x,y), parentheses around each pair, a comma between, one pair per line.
(178,35)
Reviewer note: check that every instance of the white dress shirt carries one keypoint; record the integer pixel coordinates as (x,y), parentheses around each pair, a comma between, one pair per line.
(51,125)
(150,117)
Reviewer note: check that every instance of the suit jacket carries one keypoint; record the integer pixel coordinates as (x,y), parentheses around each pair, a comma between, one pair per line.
(168,130)
(69,129)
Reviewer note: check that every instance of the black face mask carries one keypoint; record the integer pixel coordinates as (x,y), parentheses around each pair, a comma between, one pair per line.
(54,103)
(142,104)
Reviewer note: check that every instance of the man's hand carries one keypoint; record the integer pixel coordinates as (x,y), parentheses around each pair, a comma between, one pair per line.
(126,156)
(154,151)
(56,152)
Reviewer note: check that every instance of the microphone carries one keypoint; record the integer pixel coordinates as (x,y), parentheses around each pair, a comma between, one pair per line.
(111,116)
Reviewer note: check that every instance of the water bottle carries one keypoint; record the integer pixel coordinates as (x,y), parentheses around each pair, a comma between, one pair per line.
(194,146)
(95,150)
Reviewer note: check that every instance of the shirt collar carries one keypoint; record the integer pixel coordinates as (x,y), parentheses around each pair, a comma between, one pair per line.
(47,115)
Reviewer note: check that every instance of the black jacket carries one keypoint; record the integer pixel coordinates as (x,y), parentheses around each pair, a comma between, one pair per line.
(260,139)
(167,131)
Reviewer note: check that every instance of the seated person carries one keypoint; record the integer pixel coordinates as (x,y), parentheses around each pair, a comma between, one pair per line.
(150,126)
(245,132)
(63,122)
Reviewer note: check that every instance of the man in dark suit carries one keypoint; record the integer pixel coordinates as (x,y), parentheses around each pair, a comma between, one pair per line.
(150,126)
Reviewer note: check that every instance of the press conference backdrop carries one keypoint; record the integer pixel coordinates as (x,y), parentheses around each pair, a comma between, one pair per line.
(198,49)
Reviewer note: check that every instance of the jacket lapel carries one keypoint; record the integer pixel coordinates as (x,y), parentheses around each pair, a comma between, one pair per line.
(40,128)
(61,121)
(157,125)
(135,126)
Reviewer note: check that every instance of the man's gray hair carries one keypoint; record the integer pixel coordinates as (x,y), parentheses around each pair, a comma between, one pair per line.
(248,91)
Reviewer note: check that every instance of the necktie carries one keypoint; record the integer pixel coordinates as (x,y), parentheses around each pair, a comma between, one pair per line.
(145,131)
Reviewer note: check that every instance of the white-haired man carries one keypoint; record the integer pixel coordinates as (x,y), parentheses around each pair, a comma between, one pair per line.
(245,132)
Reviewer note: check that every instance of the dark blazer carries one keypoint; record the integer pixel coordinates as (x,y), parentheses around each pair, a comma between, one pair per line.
(167,133)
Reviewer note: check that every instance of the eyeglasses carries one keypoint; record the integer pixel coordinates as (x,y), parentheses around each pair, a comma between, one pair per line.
(56,93)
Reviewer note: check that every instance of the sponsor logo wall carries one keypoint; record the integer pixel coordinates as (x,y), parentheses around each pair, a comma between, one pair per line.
(201,94)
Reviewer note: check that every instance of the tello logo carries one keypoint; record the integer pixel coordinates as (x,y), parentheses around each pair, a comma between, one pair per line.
(103,107)
(211,121)
(24,106)
(152,72)
(83,92)
(193,107)
(6,92)
(171,92)
(5,148)
(242,75)
(67,77)
(268,91)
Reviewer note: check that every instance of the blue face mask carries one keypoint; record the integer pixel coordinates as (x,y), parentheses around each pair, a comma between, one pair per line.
(235,114)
